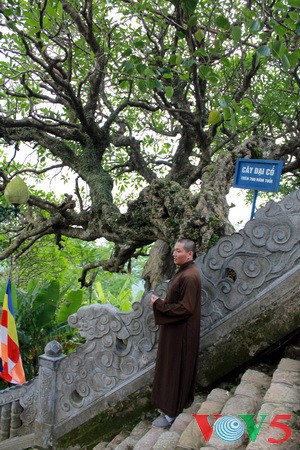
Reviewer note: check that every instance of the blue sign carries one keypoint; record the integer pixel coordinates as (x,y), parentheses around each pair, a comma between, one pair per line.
(258,174)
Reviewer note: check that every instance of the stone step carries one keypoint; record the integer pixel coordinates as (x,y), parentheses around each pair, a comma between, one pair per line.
(282,397)
(256,394)
(166,439)
(136,434)
(246,398)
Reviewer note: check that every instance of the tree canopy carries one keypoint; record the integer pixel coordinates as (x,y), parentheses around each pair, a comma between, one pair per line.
(149,104)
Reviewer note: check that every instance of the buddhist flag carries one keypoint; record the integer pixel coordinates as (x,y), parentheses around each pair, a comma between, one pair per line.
(11,368)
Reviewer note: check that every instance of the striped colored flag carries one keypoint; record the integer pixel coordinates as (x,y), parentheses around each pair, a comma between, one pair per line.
(11,368)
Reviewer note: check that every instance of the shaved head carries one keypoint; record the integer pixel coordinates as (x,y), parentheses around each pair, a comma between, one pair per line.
(188,245)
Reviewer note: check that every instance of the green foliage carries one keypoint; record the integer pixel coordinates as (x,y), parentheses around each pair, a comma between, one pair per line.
(42,312)
(213,240)
(43,304)
(71,304)
(40,318)
(136,67)
(118,290)
(45,262)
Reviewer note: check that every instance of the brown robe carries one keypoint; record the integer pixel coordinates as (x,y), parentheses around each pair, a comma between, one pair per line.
(178,345)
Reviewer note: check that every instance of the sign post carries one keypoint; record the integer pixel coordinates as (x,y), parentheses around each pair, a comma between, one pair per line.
(257,174)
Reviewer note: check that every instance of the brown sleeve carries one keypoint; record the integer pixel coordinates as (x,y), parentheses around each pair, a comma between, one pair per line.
(174,312)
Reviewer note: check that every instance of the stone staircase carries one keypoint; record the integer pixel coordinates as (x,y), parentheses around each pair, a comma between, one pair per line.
(257,393)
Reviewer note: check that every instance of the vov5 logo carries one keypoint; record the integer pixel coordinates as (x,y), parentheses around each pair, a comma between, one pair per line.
(232,428)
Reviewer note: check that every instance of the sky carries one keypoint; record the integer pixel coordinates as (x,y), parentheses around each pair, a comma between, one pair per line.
(241,212)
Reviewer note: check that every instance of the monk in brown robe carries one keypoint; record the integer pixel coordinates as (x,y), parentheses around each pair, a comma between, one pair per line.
(178,345)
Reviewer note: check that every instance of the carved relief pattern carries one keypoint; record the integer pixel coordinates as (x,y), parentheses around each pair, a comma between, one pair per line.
(18,409)
(45,390)
(28,401)
(242,265)
(118,345)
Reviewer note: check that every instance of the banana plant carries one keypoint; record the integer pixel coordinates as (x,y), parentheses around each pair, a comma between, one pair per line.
(122,299)
(41,313)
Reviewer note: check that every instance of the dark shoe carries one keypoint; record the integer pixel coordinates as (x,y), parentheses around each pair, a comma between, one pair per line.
(162,422)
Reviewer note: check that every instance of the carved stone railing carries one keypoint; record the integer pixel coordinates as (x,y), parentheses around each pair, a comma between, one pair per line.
(18,407)
(245,263)
(243,278)
(251,284)
(119,346)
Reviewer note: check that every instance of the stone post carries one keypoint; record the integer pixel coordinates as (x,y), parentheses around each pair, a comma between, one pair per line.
(45,418)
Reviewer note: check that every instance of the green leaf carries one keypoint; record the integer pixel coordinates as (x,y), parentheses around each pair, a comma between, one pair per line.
(124,84)
(169,91)
(264,50)
(102,298)
(294,3)
(236,107)
(59,10)
(141,68)
(226,62)
(127,52)
(180,34)
(204,72)
(138,43)
(255,26)
(153,83)
(172,60)
(200,52)
(247,103)
(199,35)
(285,62)
(236,33)
(214,117)
(149,72)
(128,67)
(188,62)
(222,22)
(70,306)
(175,60)
(294,58)
(223,103)
(227,113)
(189,6)
(233,121)
(45,304)
(192,21)
(142,86)
(276,48)
(294,15)
(280,5)
(280,30)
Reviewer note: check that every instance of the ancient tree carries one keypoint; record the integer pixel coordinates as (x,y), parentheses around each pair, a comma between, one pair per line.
(148,103)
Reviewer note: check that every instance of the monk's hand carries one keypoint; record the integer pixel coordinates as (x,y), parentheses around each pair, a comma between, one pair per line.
(154,298)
